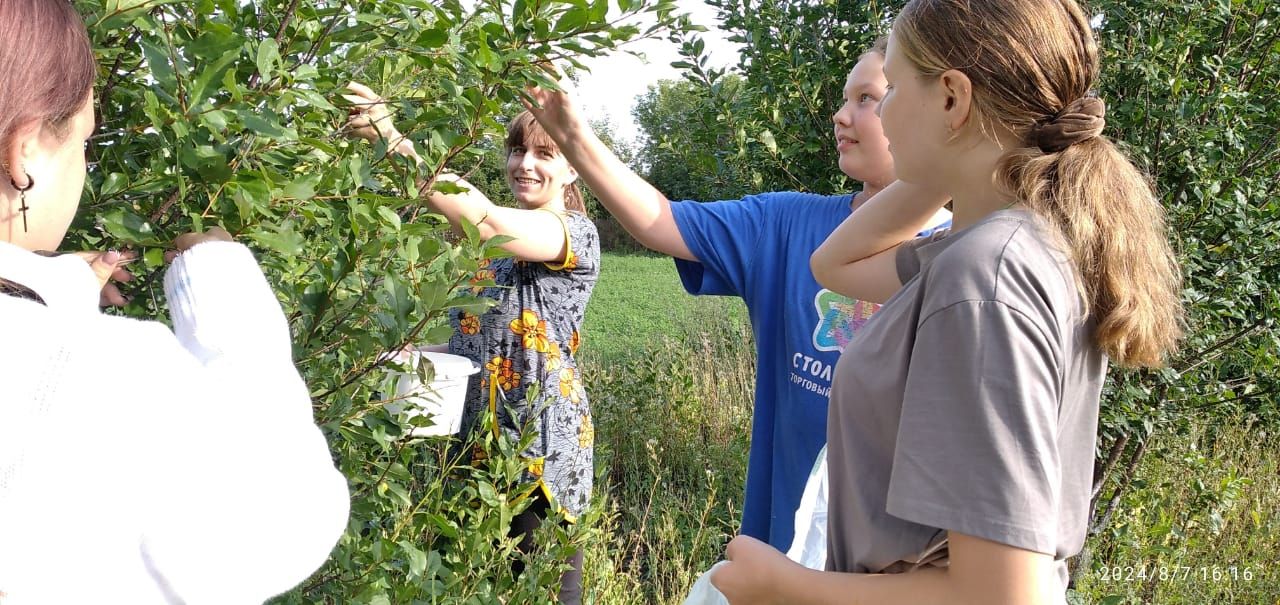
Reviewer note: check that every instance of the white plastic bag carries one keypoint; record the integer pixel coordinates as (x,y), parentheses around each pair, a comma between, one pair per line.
(703,593)
(808,548)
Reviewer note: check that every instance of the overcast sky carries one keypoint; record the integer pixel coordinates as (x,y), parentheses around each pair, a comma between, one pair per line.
(610,90)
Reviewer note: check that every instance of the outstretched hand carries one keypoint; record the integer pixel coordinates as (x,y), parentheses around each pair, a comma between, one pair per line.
(555,110)
(370,119)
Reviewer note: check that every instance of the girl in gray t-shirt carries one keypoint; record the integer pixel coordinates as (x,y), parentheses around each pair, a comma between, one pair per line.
(963,418)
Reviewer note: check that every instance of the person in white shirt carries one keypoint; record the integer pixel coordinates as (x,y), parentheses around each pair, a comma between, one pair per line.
(137,464)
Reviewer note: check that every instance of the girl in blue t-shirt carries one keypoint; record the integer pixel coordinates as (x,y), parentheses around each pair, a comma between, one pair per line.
(758,248)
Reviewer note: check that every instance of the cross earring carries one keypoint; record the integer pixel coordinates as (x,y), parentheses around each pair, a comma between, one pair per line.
(22,197)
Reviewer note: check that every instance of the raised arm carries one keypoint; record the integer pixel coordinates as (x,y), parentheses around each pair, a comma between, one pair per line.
(858,258)
(538,236)
(640,208)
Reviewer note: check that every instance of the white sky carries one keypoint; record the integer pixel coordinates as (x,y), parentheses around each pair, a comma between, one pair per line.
(610,90)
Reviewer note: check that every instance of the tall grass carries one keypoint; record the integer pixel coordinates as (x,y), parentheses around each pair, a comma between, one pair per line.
(674,421)
(1202,524)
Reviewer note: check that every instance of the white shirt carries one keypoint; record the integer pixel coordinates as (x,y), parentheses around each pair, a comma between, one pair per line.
(139,466)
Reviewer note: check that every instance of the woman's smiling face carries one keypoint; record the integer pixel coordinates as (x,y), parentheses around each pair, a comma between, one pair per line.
(538,175)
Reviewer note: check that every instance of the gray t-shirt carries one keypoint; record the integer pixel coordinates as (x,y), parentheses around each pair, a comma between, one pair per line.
(969,403)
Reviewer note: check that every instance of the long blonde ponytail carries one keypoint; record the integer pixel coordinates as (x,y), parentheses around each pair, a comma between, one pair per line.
(1115,230)
(1031,63)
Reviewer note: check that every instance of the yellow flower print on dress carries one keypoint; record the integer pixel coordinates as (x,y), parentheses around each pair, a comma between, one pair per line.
(483,274)
(501,367)
(566,381)
(533,330)
(586,432)
(570,387)
(553,357)
(470,324)
(575,341)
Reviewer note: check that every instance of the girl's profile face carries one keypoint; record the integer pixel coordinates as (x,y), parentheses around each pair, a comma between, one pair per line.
(860,142)
(538,174)
(912,118)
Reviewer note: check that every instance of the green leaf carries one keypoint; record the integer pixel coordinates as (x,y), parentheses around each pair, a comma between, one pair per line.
(153,257)
(302,188)
(283,239)
(487,494)
(417,559)
(447,528)
(433,38)
(119,6)
(127,227)
(264,124)
(573,20)
(216,120)
(599,10)
(390,217)
(438,334)
(159,63)
(209,161)
(314,99)
(210,74)
(268,57)
(117,13)
(251,195)
(113,184)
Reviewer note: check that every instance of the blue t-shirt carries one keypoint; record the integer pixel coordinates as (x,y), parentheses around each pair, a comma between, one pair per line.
(758,248)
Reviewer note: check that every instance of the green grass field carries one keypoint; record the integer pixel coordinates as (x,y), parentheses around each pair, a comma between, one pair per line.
(638,300)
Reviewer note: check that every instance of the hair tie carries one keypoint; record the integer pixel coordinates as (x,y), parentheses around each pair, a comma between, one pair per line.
(1080,120)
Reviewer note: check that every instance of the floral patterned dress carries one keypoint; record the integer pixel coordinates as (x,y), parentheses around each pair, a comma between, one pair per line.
(531,336)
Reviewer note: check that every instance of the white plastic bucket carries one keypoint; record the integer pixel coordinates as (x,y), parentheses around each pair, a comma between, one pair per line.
(441,400)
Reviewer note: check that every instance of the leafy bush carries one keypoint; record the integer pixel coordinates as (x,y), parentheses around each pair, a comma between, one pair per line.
(227,112)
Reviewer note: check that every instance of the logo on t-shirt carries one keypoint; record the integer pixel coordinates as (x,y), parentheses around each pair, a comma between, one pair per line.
(839,318)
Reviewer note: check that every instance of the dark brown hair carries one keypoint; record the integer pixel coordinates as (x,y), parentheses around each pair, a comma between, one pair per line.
(47,67)
(1030,62)
(525,131)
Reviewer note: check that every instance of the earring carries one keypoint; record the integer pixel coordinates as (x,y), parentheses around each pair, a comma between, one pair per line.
(22,197)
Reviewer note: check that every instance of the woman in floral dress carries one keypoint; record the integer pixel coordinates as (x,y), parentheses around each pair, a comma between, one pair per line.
(532,334)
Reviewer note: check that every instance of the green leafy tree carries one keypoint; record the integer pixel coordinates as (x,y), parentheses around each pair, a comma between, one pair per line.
(228,112)
(685,152)
(795,56)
